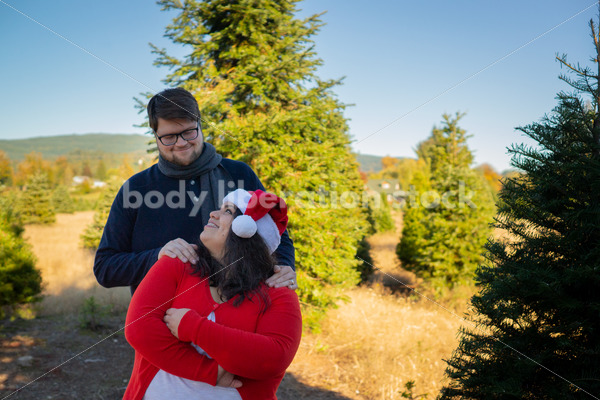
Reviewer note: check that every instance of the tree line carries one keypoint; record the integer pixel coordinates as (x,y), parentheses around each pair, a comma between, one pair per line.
(62,169)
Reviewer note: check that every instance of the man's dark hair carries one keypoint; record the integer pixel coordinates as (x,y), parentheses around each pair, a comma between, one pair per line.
(170,104)
(246,264)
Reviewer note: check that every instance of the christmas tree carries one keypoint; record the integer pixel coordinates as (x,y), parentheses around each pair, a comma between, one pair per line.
(448,221)
(538,311)
(93,233)
(20,280)
(252,68)
(62,202)
(379,214)
(35,202)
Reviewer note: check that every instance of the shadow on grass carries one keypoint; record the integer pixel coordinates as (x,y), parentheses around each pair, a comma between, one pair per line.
(400,282)
(94,368)
(71,299)
(291,389)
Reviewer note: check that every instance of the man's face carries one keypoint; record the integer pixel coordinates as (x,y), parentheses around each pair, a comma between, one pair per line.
(182,152)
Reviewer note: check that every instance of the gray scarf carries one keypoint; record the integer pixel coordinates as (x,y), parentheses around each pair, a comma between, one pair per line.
(207,171)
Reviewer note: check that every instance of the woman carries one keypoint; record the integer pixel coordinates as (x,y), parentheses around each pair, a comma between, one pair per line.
(193,327)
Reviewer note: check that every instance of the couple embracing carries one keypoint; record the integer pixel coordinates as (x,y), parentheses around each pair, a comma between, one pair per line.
(212,315)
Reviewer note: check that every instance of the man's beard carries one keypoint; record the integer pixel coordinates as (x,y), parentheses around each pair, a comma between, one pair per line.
(182,161)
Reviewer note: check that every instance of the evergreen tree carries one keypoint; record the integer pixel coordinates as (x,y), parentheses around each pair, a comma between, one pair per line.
(35,202)
(379,214)
(539,304)
(20,280)
(93,233)
(62,201)
(414,234)
(363,253)
(443,238)
(251,66)
(101,172)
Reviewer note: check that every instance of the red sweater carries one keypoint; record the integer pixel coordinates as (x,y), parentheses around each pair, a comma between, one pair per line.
(255,347)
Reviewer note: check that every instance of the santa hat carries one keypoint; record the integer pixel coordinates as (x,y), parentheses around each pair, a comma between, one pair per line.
(264,213)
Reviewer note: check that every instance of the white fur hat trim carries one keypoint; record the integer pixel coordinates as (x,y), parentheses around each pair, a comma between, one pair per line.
(240,198)
(265,226)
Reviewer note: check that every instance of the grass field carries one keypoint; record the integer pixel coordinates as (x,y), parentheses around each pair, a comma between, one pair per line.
(369,347)
(67,268)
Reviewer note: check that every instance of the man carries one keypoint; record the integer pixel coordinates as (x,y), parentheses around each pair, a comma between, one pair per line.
(162,210)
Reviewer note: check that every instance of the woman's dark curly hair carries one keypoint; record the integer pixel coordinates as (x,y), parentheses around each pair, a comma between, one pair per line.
(246,264)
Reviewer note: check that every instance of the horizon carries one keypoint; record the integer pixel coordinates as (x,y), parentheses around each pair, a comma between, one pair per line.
(358,153)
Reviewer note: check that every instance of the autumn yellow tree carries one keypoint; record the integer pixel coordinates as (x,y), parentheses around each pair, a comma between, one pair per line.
(34,164)
(6,170)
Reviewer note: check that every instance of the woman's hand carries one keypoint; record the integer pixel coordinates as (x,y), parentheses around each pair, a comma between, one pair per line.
(173,317)
(179,248)
(284,276)
(227,379)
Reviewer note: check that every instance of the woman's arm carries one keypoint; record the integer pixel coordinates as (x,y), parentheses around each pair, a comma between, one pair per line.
(148,334)
(255,355)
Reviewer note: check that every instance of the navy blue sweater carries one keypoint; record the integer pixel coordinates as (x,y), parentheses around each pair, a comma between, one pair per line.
(136,230)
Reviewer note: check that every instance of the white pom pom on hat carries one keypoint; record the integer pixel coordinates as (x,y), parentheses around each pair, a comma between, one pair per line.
(244,226)
(264,213)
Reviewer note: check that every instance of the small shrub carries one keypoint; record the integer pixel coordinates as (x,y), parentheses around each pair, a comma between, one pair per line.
(62,200)
(93,233)
(35,205)
(408,393)
(93,314)
(20,280)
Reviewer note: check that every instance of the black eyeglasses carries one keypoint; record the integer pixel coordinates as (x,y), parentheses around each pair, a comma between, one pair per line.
(187,135)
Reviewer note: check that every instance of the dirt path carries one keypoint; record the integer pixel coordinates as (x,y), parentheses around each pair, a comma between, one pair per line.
(389,272)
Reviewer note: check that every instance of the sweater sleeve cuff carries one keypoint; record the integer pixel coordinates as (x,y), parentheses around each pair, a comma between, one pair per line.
(189,325)
(156,253)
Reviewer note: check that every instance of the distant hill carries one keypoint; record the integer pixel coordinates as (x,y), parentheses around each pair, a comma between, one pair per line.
(54,146)
(98,145)
(369,163)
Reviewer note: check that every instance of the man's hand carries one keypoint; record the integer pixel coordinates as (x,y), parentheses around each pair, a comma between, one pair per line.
(181,249)
(284,276)
(173,317)
(227,379)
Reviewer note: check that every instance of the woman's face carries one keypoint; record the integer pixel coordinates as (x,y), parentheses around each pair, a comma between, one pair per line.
(216,230)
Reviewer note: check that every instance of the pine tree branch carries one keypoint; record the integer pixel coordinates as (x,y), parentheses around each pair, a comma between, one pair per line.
(596,125)
(584,72)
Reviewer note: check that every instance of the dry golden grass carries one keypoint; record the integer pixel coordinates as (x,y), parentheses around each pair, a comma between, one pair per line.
(67,268)
(370,347)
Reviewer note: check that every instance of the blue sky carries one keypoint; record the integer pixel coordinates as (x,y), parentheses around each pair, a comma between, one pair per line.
(395,56)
